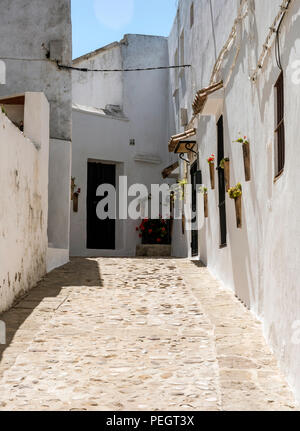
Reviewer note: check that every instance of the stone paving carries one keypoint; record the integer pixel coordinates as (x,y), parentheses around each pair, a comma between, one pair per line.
(136,334)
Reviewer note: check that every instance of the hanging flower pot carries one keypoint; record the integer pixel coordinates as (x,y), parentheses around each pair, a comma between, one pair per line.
(246,154)
(236,194)
(73,187)
(238,212)
(225,164)
(205,205)
(75,200)
(211,162)
(203,190)
(183,224)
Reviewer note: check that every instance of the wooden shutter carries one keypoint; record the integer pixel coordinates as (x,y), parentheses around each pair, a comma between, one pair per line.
(280,131)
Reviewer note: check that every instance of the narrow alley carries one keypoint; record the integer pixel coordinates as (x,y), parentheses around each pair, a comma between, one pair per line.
(136,334)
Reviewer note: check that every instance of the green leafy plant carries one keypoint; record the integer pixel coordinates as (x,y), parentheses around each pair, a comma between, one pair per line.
(242,140)
(203,190)
(222,162)
(235,192)
(3,110)
(179,189)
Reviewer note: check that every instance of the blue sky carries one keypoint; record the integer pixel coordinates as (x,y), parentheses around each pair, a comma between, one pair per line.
(99,22)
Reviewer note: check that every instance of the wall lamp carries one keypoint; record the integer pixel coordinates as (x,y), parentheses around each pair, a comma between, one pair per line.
(185,147)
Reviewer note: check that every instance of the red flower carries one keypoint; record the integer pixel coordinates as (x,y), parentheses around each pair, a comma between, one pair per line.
(150,231)
(140,235)
(158,240)
(137,229)
(211,158)
(163,229)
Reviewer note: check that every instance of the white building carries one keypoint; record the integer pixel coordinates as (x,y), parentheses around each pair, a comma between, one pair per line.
(260,261)
(35,173)
(120,127)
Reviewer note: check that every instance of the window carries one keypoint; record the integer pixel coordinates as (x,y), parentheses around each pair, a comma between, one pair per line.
(279,130)
(192,15)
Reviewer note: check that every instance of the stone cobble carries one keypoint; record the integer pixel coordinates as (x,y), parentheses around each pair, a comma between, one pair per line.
(136,334)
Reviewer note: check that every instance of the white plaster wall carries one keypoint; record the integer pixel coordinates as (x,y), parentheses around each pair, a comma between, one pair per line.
(99,89)
(26,29)
(144,98)
(261,261)
(24,199)
(25,25)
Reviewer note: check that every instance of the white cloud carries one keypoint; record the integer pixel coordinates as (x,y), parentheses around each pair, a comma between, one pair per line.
(114,14)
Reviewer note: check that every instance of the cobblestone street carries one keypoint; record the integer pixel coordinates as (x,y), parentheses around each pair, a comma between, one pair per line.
(136,334)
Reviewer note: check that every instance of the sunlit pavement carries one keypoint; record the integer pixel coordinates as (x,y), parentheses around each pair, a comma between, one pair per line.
(136,334)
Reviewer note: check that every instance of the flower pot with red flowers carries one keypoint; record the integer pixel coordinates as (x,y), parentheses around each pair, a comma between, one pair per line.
(211,163)
(155,231)
(236,194)
(246,155)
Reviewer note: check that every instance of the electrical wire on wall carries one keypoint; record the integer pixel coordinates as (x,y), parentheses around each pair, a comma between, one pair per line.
(84,69)
(274,29)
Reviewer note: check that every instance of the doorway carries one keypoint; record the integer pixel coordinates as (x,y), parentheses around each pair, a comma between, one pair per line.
(101,234)
(196,179)
(222,187)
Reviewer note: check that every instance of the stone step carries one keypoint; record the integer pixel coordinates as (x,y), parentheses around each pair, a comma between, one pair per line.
(153,250)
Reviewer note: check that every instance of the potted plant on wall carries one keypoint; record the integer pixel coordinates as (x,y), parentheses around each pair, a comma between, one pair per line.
(75,200)
(211,162)
(225,164)
(236,194)
(204,191)
(246,154)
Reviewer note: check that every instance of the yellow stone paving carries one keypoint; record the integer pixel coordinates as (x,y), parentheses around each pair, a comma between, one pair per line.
(136,334)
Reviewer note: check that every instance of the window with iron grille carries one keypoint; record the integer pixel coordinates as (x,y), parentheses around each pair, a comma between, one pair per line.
(279,130)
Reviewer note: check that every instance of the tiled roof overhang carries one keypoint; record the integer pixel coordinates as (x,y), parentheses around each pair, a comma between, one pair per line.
(202,95)
(180,137)
(166,172)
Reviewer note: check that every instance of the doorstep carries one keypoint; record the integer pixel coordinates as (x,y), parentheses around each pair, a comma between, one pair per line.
(153,250)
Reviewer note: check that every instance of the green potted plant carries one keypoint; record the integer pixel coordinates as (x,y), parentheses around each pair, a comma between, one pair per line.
(236,194)
(211,162)
(246,154)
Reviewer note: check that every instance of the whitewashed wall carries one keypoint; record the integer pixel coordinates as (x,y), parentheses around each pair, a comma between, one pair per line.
(99,89)
(24,199)
(261,261)
(27,28)
(143,97)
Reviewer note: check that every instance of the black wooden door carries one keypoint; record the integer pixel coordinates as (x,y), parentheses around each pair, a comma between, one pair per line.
(222,187)
(101,234)
(196,179)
